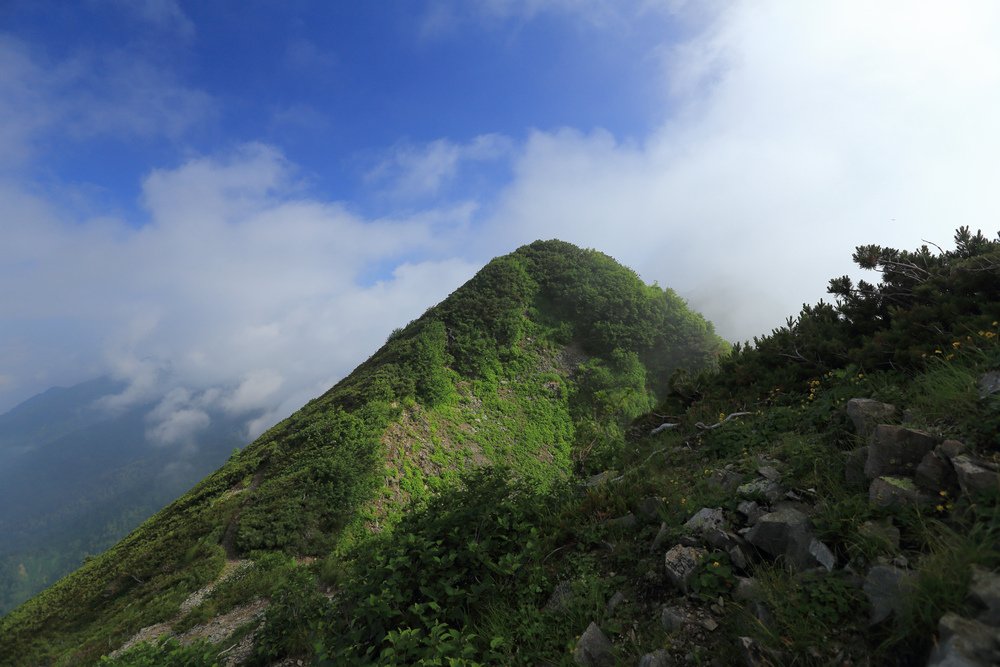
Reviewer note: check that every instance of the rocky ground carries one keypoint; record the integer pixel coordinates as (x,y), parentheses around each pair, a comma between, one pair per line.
(772,524)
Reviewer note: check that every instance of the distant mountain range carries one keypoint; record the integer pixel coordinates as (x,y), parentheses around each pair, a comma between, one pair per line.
(76,477)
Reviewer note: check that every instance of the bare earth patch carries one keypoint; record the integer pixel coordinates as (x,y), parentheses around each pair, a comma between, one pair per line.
(215,630)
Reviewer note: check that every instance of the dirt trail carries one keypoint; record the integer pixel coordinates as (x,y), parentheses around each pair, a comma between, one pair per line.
(215,630)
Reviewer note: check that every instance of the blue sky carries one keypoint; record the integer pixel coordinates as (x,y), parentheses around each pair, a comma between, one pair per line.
(336,85)
(229,205)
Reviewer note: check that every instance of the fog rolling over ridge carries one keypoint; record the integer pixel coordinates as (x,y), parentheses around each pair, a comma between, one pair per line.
(258,267)
(76,476)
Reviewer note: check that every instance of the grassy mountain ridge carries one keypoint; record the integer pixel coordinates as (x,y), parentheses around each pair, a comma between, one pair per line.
(489,376)
(766,525)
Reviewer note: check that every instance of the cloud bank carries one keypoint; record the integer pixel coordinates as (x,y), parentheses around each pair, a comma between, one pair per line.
(789,133)
(795,131)
(239,294)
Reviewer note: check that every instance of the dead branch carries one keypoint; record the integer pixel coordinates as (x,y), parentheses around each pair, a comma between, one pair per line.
(703,427)
(663,427)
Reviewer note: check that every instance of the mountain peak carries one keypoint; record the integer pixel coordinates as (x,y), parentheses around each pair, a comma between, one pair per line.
(535,365)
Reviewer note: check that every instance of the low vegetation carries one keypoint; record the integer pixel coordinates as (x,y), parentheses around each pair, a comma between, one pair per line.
(488,485)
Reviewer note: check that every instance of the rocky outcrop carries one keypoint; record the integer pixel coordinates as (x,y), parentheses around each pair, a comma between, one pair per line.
(896,450)
(786,533)
(866,414)
(989,384)
(593,649)
(681,562)
(984,593)
(886,588)
(906,467)
(964,642)
(972,642)
(658,658)
(974,476)
(761,488)
(935,474)
(894,492)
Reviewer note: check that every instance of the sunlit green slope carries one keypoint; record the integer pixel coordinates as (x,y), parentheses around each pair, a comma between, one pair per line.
(538,364)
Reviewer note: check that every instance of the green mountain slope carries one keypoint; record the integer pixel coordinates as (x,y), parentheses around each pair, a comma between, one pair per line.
(537,365)
(74,479)
(535,473)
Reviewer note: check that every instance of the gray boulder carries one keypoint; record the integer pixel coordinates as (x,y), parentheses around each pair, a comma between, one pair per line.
(984,592)
(761,487)
(658,658)
(673,618)
(751,510)
(724,479)
(649,508)
(746,589)
(886,588)
(785,532)
(560,598)
(661,538)
(866,414)
(989,384)
(934,474)
(883,532)
(707,518)
(973,476)
(854,466)
(896,450)
(593,649)
(807,552)
(774,532)
(737,557)
(887,492)
(681,562)
(949,449)
(753,654)
(616,600)
(769,472)
(711,525)
(963,642)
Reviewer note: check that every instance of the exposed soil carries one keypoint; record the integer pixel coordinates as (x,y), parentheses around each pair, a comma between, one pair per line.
(216,630)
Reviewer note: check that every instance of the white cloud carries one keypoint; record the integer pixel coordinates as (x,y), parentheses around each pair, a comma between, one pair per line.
(790,133)
(24,102)
(163,14)
(177,419)
(418,170)
(443,17)
(241,293)
(123,95)
(255,390)
(88,95)
(302,55)
(797,131)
